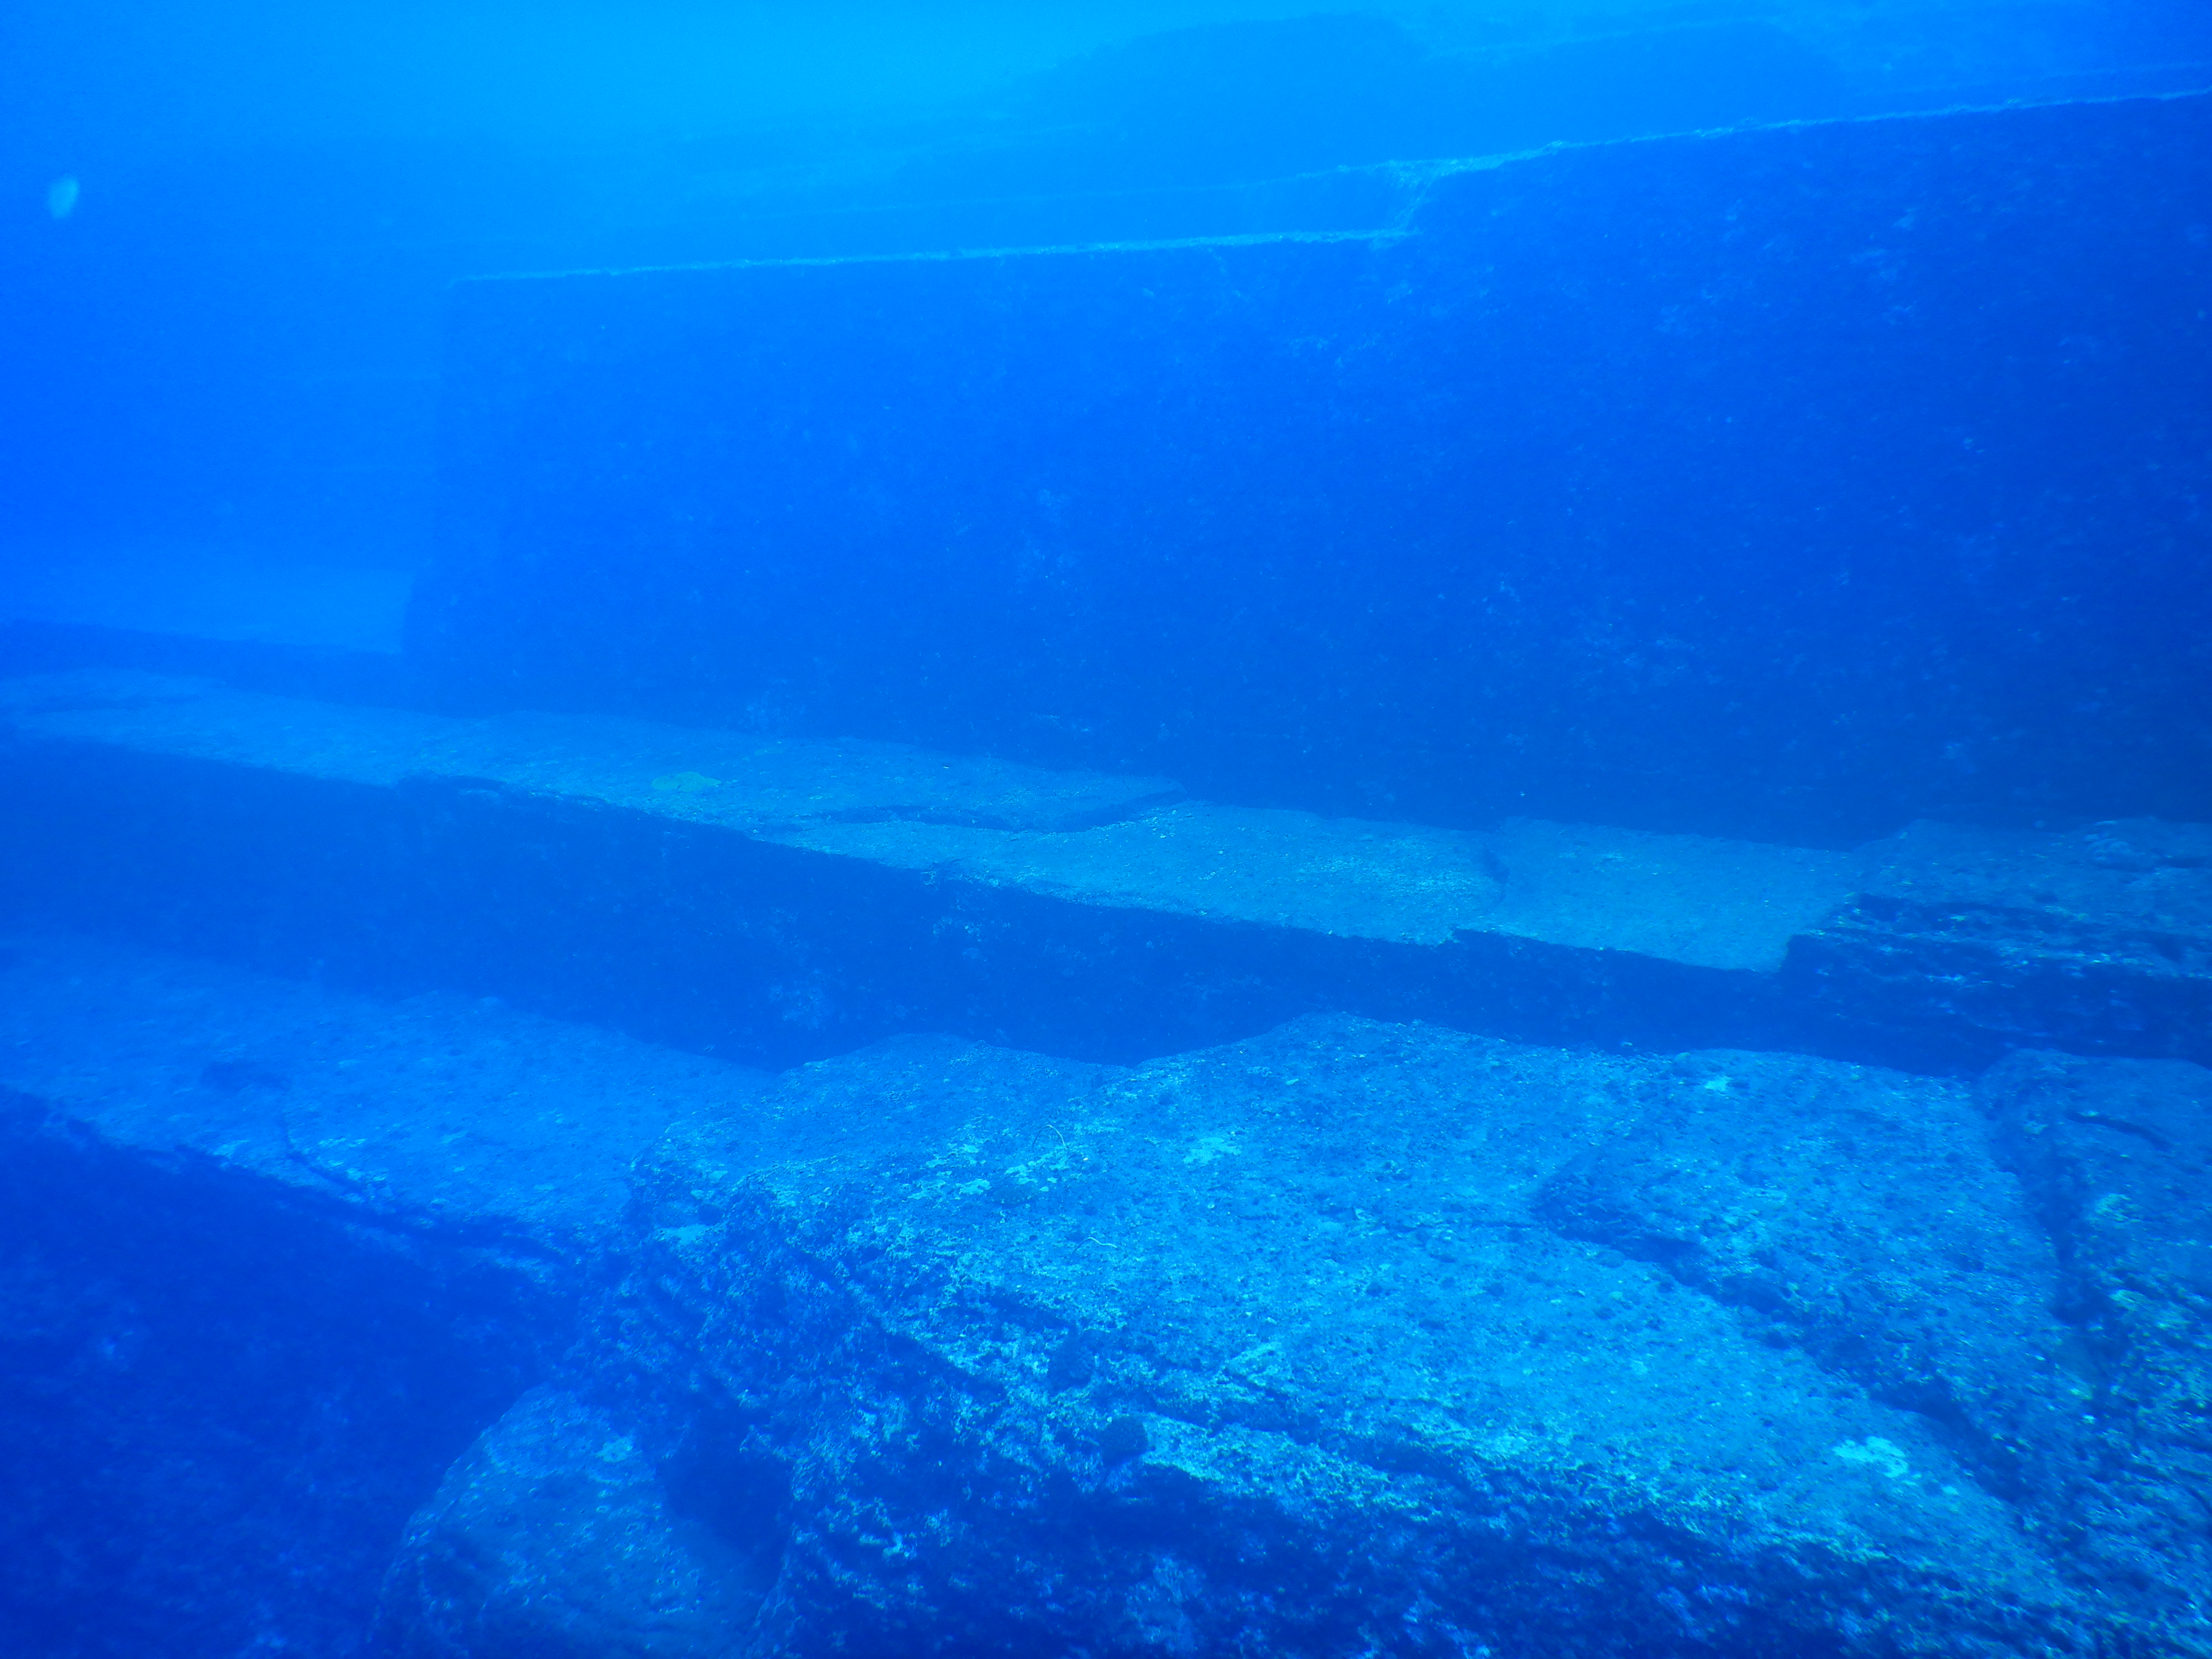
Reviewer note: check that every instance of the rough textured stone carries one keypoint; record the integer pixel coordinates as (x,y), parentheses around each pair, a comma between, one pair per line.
(1866,1220)
(1304,1345)
(1347,1338)
(2116,1157)
(2092,938)
(271,1257)
(630,1579)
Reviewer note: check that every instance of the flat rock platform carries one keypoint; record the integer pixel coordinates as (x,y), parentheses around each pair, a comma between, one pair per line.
(777,898)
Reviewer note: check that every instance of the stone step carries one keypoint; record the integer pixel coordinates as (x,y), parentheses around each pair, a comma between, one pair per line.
(779,898)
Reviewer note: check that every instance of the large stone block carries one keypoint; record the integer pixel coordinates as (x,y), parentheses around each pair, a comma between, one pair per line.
(1359,1339)
(1789,483)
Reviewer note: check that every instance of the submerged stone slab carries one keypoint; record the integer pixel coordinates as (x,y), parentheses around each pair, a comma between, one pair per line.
(2096,939)
(1689,900)
(1120,843)
(1348,1338)
(450,1115)
(781,898)
(678,773)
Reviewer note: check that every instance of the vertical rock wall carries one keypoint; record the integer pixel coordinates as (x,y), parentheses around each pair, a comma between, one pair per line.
(1788,482)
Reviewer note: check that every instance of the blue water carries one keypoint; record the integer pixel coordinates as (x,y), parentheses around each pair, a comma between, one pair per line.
(1105,829)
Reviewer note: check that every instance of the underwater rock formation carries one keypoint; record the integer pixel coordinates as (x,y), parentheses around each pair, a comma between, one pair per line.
(1347,1338)
(272,1255)
(1357,1338)
(1786,483)
(781,899)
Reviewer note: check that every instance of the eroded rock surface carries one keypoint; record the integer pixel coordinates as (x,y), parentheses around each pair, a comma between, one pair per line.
(555,1539)
(2116,1157)
(1357,1338)
(1871,1221)
(272,1255)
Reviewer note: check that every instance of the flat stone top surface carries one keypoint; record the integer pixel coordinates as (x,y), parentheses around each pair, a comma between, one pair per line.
(1280,868)
(2135,873)
(1084,837)
(434,1107)
(741,781)
(1132,844)
(1685,898)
